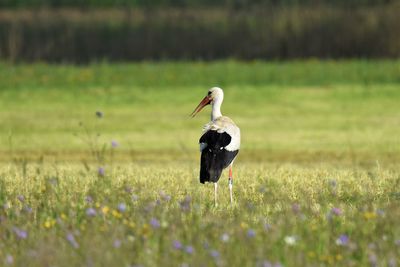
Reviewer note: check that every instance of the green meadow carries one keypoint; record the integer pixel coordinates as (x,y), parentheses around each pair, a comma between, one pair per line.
(99,165)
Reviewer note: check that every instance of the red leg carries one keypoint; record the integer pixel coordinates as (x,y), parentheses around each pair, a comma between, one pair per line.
(230,183)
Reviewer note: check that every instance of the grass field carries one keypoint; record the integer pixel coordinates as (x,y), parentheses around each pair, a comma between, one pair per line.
(316,182)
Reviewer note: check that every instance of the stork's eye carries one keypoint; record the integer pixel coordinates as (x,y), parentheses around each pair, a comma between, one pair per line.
(209,93)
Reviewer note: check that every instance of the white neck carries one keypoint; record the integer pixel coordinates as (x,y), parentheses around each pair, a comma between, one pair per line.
(216,108)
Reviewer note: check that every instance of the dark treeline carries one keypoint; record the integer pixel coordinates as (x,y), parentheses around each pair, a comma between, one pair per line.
(84,35)
(187,3)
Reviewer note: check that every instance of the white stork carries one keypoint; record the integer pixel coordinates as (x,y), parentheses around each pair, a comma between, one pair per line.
(220,142)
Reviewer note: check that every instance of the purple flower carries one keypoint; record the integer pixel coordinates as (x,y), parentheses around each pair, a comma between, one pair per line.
(214,254)
(101,171)
(267,227)
(251,233)
(336,211)
(296,208)
(9,259)
(373,260)
(122,207)
(333,183)
(155,223)
(99,114)
(53,181)
(189,250)
(114,144)
(266,264)
(380,212)
(165,196)
(392,262)
(343,240)
(27,209)
(117,243)
(177,245)
(397,242)
(71,239)
(134,197)
(88,199)
(91,212)
(21,198)
(185,203)
(21,234)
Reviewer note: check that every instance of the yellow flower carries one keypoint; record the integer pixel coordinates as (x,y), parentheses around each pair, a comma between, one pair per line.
(63,216)
(145,230)
(311,254)
(339,257)
(116,214)
(49,223)
(369,215)
(105,210)
(244,225)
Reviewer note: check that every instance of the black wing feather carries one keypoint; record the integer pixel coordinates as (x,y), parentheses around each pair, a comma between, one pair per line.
(215,158)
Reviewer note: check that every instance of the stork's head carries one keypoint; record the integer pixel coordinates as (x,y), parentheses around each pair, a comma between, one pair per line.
(214,96)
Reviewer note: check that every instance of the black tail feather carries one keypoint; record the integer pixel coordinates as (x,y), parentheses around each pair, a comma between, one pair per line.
(215,158)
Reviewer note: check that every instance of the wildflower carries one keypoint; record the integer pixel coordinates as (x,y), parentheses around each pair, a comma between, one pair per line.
(373,260)
(27,209)
(296,208)
(214,254)
(392,262)
(177,245)
(53,181)
(189,249)
(251,233)
(343,240)
(88,199)
(333,183)
(91,212)
(165,196)
(290,240)
(397,242)
(71,239)
(336,211)
(21,234)
(99,114)
(380,212)
(116,214)
(185,203)
(266,264)
(117,243)
(21,198)
(225,238)
(155,223)
(49,223)
(122,207)
(267,227)
(114,144)
(244,225)
(105,210)
(369,215)
(134,197)
(9,259)
(101,171)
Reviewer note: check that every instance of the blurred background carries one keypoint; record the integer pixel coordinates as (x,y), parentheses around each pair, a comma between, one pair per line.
(307,81)
(80,31)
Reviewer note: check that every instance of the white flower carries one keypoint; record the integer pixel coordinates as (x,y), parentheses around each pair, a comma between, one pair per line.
(225,238)
(290,240)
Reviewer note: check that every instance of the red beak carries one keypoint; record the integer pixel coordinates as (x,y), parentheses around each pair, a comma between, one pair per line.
(202,104)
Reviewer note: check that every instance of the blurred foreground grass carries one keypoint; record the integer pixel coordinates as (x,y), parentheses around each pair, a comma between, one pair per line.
(316,181)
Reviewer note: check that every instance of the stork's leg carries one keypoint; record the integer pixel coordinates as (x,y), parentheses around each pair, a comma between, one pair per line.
(230,183)
(215,194)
